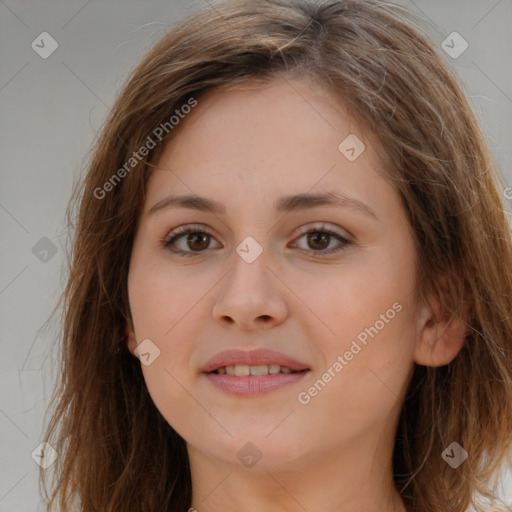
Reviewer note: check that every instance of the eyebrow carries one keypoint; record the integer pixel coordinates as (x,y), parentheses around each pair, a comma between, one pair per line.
(283,204)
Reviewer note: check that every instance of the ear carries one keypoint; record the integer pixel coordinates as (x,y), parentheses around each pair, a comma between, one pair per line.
(131,343)
(441,336)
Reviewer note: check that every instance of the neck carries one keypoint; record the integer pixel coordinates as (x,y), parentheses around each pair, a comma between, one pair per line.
(351,479)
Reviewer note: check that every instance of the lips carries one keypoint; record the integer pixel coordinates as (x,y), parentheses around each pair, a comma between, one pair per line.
(253,373)
(254,358)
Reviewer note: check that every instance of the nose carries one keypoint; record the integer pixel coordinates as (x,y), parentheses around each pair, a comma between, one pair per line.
(251,296)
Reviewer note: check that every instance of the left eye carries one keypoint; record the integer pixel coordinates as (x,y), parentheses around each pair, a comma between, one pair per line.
(320,240)
(198,240)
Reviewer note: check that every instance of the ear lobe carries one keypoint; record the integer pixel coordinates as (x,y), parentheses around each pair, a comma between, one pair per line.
(441,338)
(131,343)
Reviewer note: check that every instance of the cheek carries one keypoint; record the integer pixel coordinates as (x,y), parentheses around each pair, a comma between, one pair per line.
(366,301)
(163,296)
(360,392)
(370,314)
(167,377)
(167,308)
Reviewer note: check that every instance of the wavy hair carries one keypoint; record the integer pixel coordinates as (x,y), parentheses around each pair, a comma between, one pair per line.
(116,451)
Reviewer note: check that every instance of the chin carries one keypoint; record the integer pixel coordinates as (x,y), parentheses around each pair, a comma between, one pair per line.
(260,451)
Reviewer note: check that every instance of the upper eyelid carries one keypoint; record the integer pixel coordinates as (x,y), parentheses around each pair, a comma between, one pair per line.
(324,226)
(318,226)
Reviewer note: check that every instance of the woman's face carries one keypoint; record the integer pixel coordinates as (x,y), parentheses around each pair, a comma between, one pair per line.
(338,301)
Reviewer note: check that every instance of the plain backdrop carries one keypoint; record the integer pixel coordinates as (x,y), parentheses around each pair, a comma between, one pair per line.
(50,109)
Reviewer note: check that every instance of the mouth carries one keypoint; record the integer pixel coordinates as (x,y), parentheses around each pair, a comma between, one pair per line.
(250,373)
(259,361)
(243,370)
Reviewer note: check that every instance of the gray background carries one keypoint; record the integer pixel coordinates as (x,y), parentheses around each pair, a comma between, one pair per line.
(50,110)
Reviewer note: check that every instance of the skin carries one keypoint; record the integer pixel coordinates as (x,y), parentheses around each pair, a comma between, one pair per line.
(246,148)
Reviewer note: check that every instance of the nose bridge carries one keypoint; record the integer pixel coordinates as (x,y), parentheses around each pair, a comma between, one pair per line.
(251,290)
(252,252)
(250,270)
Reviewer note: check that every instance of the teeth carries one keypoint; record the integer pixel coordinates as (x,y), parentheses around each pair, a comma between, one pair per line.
(243,370)
(274,368)
(259,370)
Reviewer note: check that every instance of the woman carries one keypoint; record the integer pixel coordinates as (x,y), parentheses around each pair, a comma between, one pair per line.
(290,284)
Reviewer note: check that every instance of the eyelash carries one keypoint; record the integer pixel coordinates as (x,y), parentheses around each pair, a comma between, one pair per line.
(180,231)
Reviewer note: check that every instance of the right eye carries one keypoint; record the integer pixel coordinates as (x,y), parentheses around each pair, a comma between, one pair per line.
(198,240)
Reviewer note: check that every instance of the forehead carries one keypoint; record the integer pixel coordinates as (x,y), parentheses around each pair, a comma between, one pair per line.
(280,137)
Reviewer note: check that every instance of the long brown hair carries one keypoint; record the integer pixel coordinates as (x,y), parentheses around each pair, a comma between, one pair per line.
(116,451)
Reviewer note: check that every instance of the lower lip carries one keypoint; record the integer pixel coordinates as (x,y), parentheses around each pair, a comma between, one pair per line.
(252,385)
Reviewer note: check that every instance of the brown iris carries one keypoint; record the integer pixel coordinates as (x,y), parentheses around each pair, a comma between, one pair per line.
(198,237)
(316,236)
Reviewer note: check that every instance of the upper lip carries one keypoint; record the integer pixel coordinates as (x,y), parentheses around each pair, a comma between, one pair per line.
(255,357)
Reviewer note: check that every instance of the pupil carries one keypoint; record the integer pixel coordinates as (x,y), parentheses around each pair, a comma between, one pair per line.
(194,236)
(323,236)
